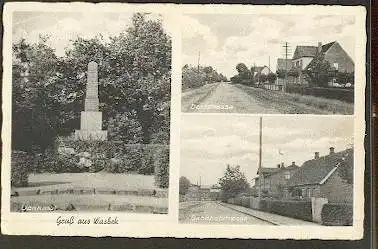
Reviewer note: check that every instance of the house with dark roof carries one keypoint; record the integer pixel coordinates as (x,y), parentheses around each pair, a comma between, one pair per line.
(272,181)
(325,177)
(303,59)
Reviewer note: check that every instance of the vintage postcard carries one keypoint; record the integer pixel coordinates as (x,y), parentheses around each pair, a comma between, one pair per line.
(166,120)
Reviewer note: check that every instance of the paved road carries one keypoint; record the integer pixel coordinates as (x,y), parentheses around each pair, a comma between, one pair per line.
(215,213)
(229,98)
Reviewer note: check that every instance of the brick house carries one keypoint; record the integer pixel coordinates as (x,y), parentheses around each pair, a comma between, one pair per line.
(273,181)
(324,177)
(303,57)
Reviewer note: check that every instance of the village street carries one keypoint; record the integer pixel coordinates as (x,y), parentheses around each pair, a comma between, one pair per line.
(223,97)
(213,212)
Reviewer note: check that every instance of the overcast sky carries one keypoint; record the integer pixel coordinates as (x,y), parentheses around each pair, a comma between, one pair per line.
(65,26)
(210,142)
(225,40)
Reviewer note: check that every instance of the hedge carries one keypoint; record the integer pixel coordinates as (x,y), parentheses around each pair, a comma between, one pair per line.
(21,166)
(71,155)
(295,209)
(342,94)
(337,214)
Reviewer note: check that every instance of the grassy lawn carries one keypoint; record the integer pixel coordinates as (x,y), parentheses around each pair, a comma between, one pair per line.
(101,180)
(90,201)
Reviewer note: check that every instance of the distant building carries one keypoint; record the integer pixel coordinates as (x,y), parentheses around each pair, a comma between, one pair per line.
(202,193)
(273,181)
(303,59)
(324,177)
(259,71)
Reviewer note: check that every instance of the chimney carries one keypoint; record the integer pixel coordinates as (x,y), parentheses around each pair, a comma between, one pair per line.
(292,163)
(331,150)
(319,47)
(282,165)
(316,155)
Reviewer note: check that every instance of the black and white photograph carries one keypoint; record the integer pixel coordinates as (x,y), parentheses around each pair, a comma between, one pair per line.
(267,170)
(90,112)
(268,63)
(183,121)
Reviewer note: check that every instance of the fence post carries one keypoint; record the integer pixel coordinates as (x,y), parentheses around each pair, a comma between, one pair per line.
(317,206)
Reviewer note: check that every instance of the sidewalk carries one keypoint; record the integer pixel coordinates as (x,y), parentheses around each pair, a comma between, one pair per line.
(273,218)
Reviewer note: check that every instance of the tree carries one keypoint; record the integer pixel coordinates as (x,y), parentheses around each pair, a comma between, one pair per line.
(244,75)
(318,73)
(35,113)
(184,185)
(233,182)
(271,78)
(346,168)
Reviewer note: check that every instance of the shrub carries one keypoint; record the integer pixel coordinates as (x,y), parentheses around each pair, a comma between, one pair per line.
(337,214)
(57,163)
(21,164)
(161,165)
(295,209)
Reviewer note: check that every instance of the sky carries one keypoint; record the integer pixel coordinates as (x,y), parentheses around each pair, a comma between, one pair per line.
(209,143)
(65,26)
(224,40)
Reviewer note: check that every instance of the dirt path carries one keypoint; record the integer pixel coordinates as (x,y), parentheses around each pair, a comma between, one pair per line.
(229,98)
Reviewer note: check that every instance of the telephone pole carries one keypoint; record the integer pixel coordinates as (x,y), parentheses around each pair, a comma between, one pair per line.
(198,63)
(286,46)
(261,176)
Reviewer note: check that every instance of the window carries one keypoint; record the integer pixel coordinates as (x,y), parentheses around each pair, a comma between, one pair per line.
(309,192)
(287,175)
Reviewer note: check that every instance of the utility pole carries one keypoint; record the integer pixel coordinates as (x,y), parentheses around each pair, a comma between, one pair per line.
(260,154)
(269,64)
(286,46)
(198,63)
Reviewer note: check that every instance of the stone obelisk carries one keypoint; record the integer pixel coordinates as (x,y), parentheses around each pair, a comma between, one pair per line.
(91,117)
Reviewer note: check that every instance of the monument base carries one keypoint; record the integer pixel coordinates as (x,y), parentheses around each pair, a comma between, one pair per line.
(91,135)
(91,120)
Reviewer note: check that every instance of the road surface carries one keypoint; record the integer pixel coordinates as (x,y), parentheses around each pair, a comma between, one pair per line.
(214,213)
(232,98)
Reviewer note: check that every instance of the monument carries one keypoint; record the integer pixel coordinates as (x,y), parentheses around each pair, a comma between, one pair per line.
(91,117)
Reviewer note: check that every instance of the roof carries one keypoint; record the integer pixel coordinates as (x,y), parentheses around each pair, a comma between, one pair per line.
(281,64)
(259,69)
(310,51)
(315,171)
(304,51)
(268,170)
(325,48)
